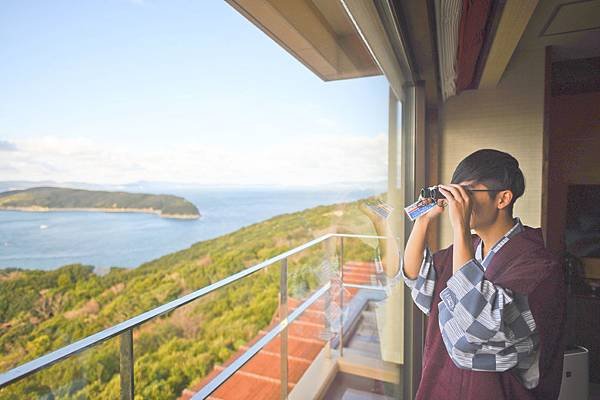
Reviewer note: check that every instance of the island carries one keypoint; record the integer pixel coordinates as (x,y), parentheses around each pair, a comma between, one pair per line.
(41,199)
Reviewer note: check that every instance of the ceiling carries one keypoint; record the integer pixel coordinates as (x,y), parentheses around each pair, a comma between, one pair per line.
(571,27)
(318,33)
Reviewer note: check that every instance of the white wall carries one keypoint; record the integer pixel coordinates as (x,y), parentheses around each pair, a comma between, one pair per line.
(508,118)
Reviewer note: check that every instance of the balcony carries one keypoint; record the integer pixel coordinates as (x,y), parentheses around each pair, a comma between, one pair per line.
(324,341)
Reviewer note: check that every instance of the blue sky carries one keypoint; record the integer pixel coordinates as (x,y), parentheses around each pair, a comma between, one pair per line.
(112,91)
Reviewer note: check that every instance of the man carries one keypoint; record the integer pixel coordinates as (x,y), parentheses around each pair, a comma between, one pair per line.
(495,300)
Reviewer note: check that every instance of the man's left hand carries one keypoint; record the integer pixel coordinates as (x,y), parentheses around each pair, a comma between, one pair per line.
(459,206)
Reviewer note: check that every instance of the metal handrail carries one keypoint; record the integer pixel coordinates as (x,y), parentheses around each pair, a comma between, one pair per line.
(125,328)
(281,328)
(248,354)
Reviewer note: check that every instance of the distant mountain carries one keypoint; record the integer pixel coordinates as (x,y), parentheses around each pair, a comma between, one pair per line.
(65,199)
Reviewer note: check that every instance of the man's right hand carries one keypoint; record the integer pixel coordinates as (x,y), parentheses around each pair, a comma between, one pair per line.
(435,211)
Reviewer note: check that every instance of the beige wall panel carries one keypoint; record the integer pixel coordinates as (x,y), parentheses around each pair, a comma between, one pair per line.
(508,118)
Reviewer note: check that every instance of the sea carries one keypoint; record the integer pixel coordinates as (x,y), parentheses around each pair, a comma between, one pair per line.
(48,240)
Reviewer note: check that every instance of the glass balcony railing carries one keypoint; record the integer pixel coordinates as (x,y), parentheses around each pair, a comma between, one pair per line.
(323,327)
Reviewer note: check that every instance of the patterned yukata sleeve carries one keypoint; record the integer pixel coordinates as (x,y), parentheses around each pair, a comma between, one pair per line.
(421,288)
(486,327)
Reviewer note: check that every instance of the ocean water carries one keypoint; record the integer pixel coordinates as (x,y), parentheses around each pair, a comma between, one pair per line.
(50,240)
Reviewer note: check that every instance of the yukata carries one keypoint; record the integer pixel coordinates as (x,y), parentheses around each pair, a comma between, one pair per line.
(496,326)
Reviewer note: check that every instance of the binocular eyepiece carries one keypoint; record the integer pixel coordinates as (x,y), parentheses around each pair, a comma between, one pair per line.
(432,192)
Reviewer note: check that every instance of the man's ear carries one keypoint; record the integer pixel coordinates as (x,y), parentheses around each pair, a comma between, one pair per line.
(503,199)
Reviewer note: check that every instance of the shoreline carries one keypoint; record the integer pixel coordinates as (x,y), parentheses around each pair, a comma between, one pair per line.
(110,210)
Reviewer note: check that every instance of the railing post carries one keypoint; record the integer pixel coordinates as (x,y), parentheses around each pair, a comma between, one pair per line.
(127,365)
(341,296)
(283,314)
(328,336)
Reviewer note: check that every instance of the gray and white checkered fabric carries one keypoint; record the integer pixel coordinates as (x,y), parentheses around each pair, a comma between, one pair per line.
(421,288)
(484,327)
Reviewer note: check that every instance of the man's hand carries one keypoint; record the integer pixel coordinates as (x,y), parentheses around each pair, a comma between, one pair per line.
(435,211)
(460,206)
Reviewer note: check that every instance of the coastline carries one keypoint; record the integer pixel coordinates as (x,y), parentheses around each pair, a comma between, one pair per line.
(111,210)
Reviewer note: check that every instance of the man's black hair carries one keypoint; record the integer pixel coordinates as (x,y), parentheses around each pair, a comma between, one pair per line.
(494,169)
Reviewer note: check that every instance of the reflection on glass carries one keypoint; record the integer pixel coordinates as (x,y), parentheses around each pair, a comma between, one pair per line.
(92,374)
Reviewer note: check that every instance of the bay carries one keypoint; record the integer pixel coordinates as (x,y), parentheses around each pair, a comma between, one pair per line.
(49,240)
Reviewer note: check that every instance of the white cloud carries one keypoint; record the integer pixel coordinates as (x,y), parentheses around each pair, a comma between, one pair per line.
(7,146)
(302,160)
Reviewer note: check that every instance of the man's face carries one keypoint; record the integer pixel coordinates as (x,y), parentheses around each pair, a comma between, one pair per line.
(484,211)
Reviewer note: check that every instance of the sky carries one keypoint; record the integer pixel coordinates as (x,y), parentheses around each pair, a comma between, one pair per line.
(118,91)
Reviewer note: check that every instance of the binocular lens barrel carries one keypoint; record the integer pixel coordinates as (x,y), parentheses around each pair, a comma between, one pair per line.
(432,192)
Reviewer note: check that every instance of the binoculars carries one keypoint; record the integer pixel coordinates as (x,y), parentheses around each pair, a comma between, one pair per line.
(432,192)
